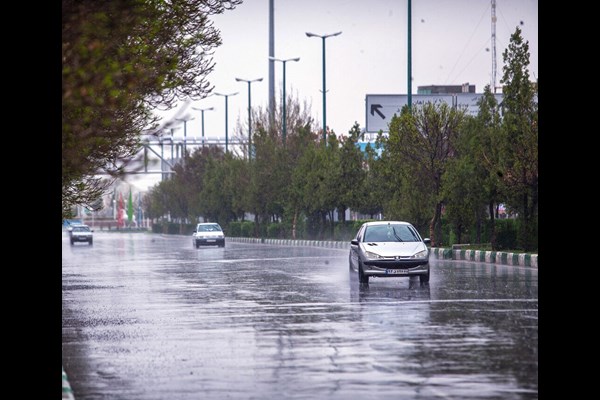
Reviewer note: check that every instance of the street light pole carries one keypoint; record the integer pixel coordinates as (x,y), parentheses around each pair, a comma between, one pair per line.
(249,111)
(184,134)
(202,111)
(323,37)
(284,98)
(226,132)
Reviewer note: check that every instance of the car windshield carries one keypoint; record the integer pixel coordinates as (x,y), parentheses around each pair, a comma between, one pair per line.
(209,228)
(391,233)
(81,229)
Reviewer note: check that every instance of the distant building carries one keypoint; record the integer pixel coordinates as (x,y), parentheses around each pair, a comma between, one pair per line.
(445,89)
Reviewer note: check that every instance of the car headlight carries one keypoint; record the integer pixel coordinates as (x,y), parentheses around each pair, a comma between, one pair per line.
(372,256)
(421,254)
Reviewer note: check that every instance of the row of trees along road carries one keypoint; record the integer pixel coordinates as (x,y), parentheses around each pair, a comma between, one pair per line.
(122,59)
(435,158)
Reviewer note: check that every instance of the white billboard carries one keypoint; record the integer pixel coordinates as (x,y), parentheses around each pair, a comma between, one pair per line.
(469,101)
(382,107)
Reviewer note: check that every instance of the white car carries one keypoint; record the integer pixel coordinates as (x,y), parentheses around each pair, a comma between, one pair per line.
(208,234)
(389,249)
(80,233)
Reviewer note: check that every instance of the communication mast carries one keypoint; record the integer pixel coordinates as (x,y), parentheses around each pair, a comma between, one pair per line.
(494,46)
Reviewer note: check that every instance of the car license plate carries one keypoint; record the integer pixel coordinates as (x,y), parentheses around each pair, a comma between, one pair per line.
(396,271)
(211,240)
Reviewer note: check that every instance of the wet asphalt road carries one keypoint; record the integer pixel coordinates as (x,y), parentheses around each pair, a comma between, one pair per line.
(150,317)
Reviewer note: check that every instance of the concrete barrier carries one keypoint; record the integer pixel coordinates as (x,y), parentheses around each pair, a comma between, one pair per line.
(493,257)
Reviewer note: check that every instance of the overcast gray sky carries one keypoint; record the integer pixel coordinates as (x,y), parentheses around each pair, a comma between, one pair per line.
(451,45)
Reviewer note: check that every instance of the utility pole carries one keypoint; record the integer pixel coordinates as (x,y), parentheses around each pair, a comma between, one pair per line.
(494,46)
(271,64)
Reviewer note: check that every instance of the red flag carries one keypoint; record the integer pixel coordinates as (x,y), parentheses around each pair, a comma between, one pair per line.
(120,211)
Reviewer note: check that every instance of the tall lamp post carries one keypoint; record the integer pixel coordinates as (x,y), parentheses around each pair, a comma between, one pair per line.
(323,37)
(284,98)
(184,134)
(226,132)
(202,111)
(249,111)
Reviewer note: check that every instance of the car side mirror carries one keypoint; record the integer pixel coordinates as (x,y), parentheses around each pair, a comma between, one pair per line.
(194,231)
(354,242)
(427,241)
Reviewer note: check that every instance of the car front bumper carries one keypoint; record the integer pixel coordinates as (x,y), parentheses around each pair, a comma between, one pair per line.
(210,241)
(81,238)
(392,268)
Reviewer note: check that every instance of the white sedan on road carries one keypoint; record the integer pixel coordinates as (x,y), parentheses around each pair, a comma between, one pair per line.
(389,249)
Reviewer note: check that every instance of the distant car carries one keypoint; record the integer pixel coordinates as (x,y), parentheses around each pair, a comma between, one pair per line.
(208,234)
(80,233)
(388,249)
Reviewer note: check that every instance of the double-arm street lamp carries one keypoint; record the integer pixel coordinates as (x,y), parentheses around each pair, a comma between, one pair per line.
(202,111)
(249,111)
(284,98)
(226,108)
(324,85)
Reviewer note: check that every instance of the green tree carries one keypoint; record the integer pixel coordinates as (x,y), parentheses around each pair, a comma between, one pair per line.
(373,186)
(486,155)
(350,172)
(470,183)
(121,59)
(267,180)
(518,159)
(297,145)
(420,144)
(270,195)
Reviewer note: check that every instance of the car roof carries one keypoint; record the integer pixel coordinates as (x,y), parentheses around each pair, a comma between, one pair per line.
(208,223)
(372,223)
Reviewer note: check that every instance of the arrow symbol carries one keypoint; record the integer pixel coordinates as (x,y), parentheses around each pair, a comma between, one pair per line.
(375,109)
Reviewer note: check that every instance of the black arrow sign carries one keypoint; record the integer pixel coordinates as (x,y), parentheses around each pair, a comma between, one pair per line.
(375,109)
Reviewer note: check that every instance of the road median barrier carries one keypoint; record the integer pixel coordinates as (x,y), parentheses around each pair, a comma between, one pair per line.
(456,252)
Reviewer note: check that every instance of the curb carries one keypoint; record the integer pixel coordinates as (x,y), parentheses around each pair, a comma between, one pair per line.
(67,392)
(492,257)
(332,244)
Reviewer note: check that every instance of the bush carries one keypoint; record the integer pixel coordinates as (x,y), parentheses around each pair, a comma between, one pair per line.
(345,231)
(506,234)
(234,229)
(157,227)
(247,229)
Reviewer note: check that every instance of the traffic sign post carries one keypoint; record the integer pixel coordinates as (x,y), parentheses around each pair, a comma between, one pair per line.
(382,107)
(380,110)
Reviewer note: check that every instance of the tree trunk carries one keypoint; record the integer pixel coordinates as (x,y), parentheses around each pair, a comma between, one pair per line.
(256,225)
(342,216)
(492,226)
(433,226)
(525,225)
(294,222)
(478,234)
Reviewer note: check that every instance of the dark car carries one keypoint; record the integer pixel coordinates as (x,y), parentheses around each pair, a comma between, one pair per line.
(208,234)
(389,249)
(80,233)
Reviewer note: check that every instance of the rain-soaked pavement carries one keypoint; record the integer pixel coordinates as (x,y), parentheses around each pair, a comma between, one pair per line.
(150,317)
